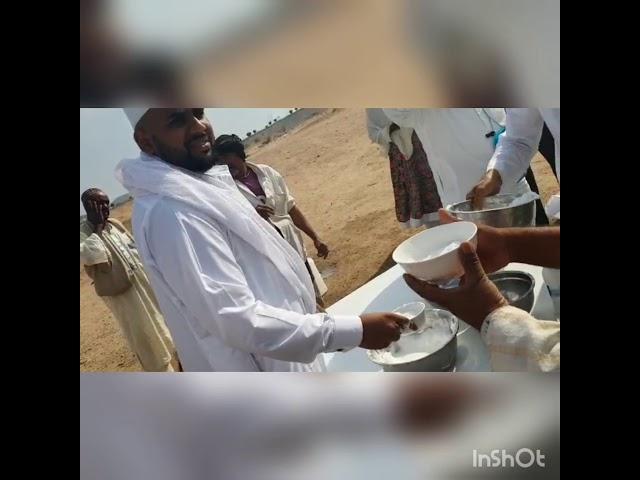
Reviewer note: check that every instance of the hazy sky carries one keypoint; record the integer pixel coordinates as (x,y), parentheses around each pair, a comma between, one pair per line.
(106,137)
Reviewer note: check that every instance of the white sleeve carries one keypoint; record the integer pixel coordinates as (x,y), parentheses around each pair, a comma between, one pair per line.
(404,117)
(278,179)
(517,145)
(93,251)
(378,127)
(519,342)
(198,264)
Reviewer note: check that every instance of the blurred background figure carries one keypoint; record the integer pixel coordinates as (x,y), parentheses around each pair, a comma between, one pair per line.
(111,73)
(437,53)
(493,52)
(110,258)
(414,188)
(360,426)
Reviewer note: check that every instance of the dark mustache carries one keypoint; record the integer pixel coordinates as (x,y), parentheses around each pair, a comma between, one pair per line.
(198,138)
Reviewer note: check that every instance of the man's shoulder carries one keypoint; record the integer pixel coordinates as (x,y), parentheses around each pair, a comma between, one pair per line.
(85,227)
(159,212)
(117,223)
(264,167)
(157,205)
(269,171)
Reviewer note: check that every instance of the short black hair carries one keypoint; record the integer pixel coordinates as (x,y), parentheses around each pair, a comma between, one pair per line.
(226,144)
(89,194)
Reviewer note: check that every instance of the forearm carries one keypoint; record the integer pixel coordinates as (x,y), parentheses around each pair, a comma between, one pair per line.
(300,221)
(534,246)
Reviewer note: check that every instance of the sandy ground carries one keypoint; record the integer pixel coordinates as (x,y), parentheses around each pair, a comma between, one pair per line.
(341,182)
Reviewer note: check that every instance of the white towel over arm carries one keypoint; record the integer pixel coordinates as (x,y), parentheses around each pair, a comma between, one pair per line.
(519,342)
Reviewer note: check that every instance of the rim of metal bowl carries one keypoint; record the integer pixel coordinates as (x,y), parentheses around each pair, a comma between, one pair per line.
(454,207)
(506,273)
(453,337)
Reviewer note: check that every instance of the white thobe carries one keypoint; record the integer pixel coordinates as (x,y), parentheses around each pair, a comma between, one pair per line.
(136,309)
(278,197)
(521,139)
(227,307)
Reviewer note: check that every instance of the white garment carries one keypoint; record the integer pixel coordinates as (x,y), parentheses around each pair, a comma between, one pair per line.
(551,278)
(235,295)
(519,342)
(278,197)
(378,129)
(134,115)
(428,219)
(402,138)
(521,139)
(553,207)
(136,310)
(92,250)
(456,145)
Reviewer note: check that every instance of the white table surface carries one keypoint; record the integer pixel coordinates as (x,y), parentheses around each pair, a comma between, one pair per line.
(388,291)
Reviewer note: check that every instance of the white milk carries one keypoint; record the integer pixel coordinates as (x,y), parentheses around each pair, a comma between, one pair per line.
(414,347)
(441,251)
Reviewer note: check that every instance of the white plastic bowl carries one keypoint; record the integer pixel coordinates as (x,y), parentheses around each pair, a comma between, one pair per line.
(422,255)
(414,312)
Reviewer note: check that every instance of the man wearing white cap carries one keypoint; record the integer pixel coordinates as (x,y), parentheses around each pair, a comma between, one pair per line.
(235,295)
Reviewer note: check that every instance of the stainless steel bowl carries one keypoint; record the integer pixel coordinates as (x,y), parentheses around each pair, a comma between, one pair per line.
(516,288)
(496,212)
(442,360)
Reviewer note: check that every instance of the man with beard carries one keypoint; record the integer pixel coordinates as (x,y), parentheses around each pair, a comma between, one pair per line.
(236,296)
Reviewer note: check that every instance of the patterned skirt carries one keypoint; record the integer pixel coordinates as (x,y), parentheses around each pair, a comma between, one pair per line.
(414,187)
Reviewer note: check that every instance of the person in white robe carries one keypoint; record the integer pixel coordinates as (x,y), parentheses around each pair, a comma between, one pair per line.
(459,143)
(110,258)
(236,296)
(513,156)
(515,151)
(265,188)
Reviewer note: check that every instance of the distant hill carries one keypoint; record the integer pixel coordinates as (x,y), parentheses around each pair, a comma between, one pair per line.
(121,199)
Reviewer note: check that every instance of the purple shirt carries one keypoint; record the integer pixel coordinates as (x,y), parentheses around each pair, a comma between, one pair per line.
(252,183)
